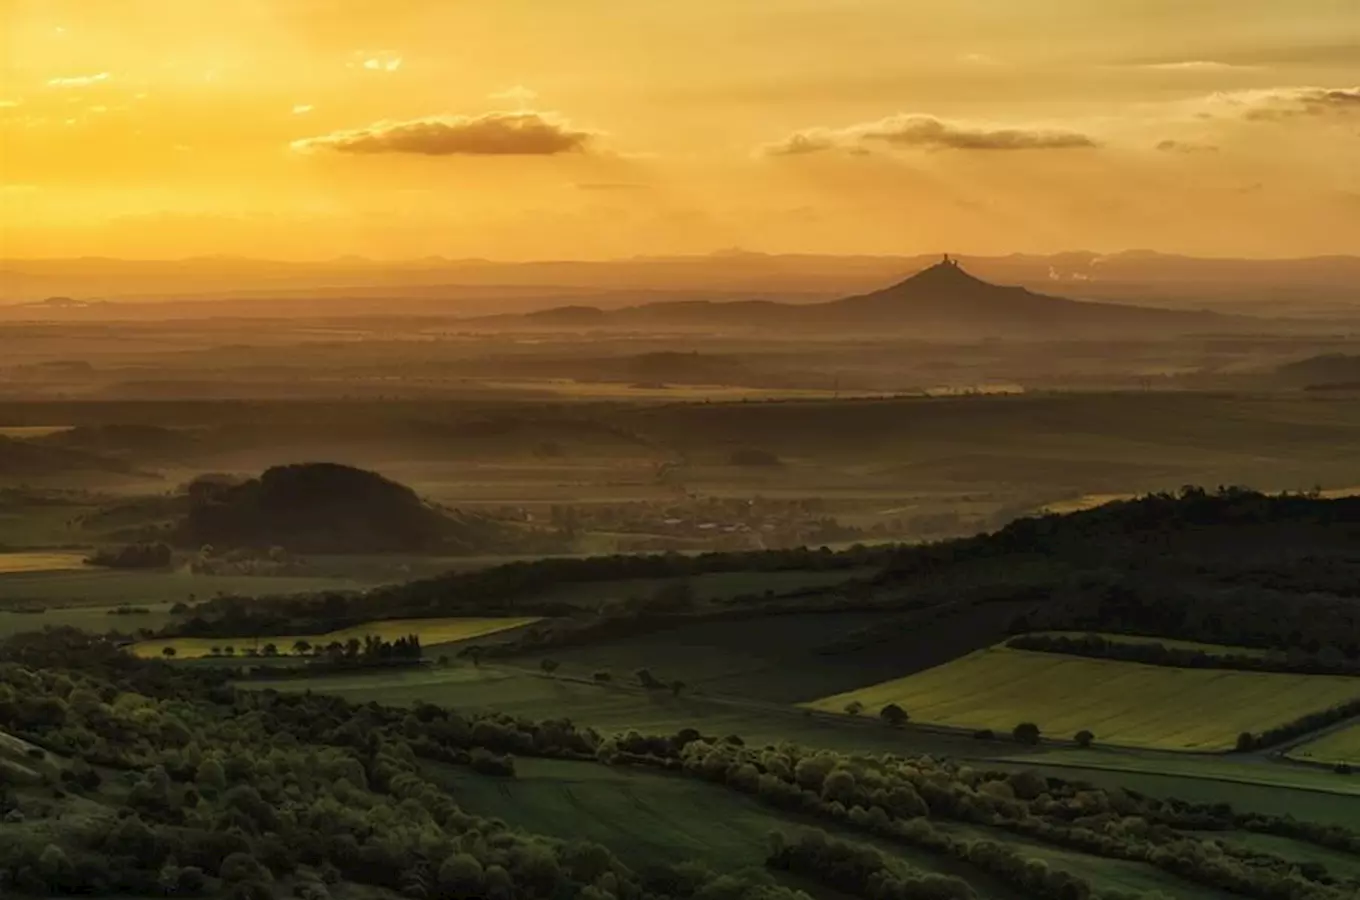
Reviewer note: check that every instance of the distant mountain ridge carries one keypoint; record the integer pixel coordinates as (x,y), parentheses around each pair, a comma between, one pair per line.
(1315,286)
(942,300)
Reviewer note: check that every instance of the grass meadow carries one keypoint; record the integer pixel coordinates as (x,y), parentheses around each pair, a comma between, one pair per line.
(1124,704)
(1341,746)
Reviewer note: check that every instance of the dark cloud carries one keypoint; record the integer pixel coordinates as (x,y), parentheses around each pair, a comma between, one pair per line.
(929,133)
(1278,104)
(1170,146)
(492,134)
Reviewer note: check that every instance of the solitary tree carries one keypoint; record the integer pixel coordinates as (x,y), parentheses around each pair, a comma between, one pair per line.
(474,653)
(168,653)
(894,715)
(676,687)
(854,707)
(228,650)
(302,646)
(216,651)
(549,666)
(1084,738)
(1026,733)
(271,650)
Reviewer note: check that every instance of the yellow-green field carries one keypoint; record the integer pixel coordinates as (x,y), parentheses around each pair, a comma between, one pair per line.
(1341,746)
(31,431)
(431,631)
(40,562)
(1126,704)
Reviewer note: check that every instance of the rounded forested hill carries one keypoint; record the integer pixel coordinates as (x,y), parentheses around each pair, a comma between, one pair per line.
(328,508)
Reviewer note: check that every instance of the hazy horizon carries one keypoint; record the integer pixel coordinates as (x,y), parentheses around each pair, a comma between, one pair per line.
(522,131)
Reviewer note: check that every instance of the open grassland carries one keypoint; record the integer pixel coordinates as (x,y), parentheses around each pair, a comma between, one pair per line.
(1228,769)
(1340,746)
(141,588)
(648,817)
(94,619)
(652,818)
(613,708)
(38,561)
(431,632)
(770,658)
(1126,704)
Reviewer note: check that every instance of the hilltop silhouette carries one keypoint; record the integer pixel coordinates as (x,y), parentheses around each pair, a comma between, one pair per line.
(942,300)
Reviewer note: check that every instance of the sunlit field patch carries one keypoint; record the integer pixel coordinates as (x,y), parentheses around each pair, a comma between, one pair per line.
(40,562)
(431,632)
(1341,746)
(31,431)
(1126,704)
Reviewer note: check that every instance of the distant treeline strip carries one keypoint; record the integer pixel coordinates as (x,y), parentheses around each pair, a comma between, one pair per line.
(1095,646)
(512,589)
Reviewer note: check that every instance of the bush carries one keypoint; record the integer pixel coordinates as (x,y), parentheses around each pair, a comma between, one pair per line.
(894,715)
(488,763)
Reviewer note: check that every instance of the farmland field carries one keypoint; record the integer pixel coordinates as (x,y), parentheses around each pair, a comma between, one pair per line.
(649,817)
(11,563)
(431,632)
(688,820)
(104,587)
(1123,703)
(94,619)
(1342,746)
(517,692)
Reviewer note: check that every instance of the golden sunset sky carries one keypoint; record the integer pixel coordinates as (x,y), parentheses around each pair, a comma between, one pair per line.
(520,129)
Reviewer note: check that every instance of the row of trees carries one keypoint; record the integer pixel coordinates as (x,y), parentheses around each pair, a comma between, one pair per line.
(1329,660)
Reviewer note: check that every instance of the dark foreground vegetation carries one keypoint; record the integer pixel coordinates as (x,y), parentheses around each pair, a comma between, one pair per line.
(148,779)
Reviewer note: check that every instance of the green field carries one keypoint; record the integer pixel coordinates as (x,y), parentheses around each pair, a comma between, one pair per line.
(771,658)
(1341,746)
(94,619)
(1125,704)
(431,632)
(493,688)
(141,588)
(649,817)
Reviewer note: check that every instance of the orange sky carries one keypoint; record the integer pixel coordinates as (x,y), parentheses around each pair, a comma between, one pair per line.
(596,128)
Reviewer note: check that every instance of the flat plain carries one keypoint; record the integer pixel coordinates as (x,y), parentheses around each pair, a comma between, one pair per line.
(1125,704)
